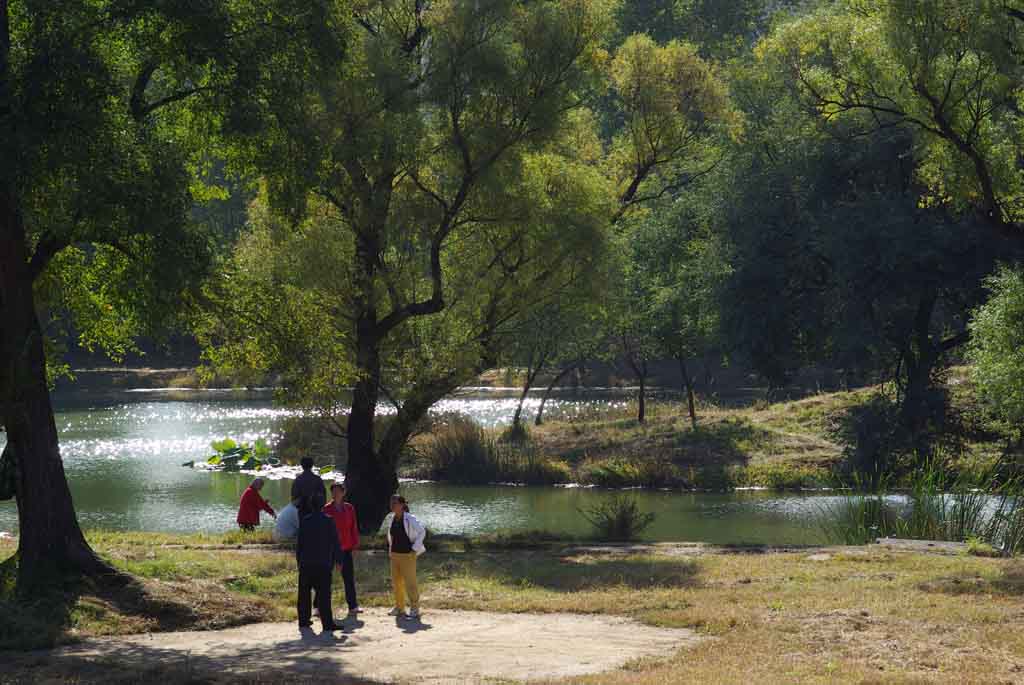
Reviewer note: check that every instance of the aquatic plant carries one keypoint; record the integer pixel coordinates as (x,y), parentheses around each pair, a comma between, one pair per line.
(980,508)
(618,519)
(232,456)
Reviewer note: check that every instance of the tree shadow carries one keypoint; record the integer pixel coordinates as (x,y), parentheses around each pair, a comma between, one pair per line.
(45,615)
(576,573)
(730,441)
(1009,583)
(307,659)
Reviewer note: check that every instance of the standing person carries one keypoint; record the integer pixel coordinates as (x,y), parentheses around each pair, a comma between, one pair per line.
(405,543)
(316,552)
(306,485)
(344,515)
(251,504)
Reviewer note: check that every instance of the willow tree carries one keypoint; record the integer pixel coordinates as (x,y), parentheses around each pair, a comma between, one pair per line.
(97,104)
(675,113)
(948,70)
(432,188)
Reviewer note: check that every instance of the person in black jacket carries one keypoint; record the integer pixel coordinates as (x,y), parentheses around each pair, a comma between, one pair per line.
(306,485)
(317,552)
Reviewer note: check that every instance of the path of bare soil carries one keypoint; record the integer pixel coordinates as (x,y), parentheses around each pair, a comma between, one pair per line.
(444,646)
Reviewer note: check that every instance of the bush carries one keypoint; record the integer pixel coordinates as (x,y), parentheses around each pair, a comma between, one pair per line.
(618,519)
(461,451)
(627,473)
(877,446)
(997,349)
(516,434)
(869,435)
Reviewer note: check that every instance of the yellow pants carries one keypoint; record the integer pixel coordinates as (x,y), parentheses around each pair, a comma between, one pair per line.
(403,580)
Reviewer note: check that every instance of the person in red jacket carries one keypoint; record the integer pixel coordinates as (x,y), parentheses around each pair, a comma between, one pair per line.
(344,515)
(250,505)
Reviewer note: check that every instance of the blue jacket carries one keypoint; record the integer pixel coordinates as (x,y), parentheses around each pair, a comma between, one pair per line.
(317,545)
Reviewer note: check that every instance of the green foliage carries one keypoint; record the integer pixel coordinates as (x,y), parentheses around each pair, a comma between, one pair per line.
(618,519)
(984,509)
(438,204)
(997,349)
(947,71)
(231,456)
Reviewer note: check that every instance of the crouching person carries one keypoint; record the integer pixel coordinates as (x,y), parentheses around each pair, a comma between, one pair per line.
(250,506)
(317,553)
(287,526)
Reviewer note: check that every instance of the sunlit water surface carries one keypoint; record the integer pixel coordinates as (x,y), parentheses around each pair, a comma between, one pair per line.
(124,465)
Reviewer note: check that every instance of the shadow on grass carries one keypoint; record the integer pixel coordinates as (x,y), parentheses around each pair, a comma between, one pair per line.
(725,442)
(1010,583)
(572,573)
(122,603)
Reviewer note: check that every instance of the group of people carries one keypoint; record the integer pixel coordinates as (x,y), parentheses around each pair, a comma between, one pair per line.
(326,535)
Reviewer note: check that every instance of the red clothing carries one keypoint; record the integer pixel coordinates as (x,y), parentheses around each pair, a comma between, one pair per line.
(249,507)
(345,522)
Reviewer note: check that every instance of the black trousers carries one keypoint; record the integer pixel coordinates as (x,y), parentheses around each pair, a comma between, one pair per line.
(318,580)
(348,574)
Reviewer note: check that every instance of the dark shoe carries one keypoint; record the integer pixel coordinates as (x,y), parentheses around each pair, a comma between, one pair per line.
(306,624)
(332,627)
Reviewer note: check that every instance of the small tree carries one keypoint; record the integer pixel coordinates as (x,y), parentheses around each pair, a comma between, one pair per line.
(997,349)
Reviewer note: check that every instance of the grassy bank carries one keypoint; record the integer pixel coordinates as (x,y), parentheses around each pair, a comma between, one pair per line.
(785,445)
(849,615)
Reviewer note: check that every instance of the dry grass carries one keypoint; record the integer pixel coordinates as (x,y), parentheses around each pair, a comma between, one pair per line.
(774,445)
(845,615)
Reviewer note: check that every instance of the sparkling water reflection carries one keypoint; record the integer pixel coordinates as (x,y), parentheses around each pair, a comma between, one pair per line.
(124,465)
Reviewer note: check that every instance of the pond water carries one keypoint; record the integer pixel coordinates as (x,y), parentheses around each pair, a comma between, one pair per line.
(123,460)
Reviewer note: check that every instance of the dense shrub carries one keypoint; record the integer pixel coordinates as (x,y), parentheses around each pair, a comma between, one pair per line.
(618,519)
(878,446)
(997,350)
(461,451)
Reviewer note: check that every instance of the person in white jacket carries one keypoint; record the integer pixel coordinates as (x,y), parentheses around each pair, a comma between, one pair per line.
(287,527)
(405,543)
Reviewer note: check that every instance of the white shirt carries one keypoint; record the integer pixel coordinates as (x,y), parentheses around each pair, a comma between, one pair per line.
(413,528)
(287,527)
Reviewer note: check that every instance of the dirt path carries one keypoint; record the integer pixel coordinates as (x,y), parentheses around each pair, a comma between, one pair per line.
(445,646)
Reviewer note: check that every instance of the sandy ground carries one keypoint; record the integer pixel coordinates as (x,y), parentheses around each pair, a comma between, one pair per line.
(444,646)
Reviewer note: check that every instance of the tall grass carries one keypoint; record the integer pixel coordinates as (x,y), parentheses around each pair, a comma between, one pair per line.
(981,508)
(461,451)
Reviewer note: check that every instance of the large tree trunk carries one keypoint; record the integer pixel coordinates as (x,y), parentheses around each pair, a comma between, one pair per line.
(688,390)
(370,480)
(50,539)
